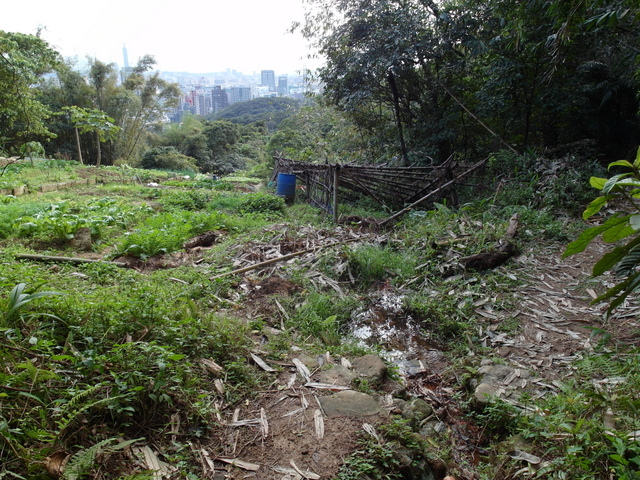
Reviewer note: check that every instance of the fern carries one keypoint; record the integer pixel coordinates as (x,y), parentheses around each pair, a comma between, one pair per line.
(81,462)
(74,407)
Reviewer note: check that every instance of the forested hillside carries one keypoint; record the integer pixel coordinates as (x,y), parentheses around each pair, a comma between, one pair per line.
(165,313)
(415,81)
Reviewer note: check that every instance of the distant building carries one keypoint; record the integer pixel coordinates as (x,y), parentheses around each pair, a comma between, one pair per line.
(239,94)
(126,70)
(219,99)
(268,79)
(202,103)
(283,86)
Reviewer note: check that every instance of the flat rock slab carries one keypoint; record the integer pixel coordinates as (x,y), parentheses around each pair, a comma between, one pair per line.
(500,381)
(370,367)
(338,375)
(350,403)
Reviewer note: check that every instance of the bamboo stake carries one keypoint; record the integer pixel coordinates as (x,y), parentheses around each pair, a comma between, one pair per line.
(432,193)
(364,187)
(336,177)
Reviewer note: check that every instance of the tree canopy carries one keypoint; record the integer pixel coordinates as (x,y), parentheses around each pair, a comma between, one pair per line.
(471,76)
(269,111)
(24,60)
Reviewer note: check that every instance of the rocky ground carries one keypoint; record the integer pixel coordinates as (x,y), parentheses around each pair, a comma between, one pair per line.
(308,421)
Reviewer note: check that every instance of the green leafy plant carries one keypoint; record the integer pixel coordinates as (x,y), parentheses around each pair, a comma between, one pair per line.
(622,192)
(372,263)
(18,299)
(166,233)
(82,462)
(262,203)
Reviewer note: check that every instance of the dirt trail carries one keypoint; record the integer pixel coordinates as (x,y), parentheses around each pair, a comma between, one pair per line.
(557,320)
(551,327)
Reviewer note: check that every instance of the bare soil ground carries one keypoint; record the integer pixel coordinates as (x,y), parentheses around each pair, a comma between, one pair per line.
(281,433)
(552,326)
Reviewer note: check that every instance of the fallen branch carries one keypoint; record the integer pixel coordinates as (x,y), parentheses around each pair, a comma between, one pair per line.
(501,252)
(51,258)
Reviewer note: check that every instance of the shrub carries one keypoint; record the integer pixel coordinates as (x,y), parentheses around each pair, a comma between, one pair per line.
(262,203)
(167,158)
(185,200)
(620,191)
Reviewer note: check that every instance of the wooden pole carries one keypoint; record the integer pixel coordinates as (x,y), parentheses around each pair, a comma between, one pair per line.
(50,258)
(364,187)
(432,193)
(336,176)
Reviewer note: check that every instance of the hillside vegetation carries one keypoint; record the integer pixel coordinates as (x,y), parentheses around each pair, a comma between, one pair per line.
(164,315)
(107,370)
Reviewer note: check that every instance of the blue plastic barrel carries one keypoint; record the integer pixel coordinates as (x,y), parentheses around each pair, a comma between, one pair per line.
(286,186)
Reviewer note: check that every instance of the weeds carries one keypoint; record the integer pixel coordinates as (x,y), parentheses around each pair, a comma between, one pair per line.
(376,263)
(120,354)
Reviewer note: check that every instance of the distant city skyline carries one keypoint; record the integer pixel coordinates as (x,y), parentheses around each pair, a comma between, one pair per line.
(248,36)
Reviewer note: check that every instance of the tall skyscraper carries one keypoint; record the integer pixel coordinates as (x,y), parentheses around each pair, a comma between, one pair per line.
(268,79)
(125,56)
(283,86)
(126,70)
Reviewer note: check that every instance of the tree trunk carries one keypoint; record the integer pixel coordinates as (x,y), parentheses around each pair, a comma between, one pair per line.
(78,146)
(396,107)
(99,158)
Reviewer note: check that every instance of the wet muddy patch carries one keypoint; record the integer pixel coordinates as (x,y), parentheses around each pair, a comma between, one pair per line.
(384,323)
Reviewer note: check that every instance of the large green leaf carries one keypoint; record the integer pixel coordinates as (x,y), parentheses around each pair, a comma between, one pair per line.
(613,182)
(611,259)
(597,182)
(628,264)
(621,163)
(618,231)
(630,285)
(579,244)
(636,163)
(594,207)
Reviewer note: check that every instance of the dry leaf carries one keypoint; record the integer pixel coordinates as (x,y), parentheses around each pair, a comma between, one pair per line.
(371,431)
(211,366)
(239,463)
(302,369)
(527,457)
(609,420)
(264,424)
(319,424)
(55,463)
(153,463)
(261,363)
(207,459)
(219,384)
(307,474)
(326,386)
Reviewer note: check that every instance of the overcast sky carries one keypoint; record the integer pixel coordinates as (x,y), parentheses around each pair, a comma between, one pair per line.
(193,36)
